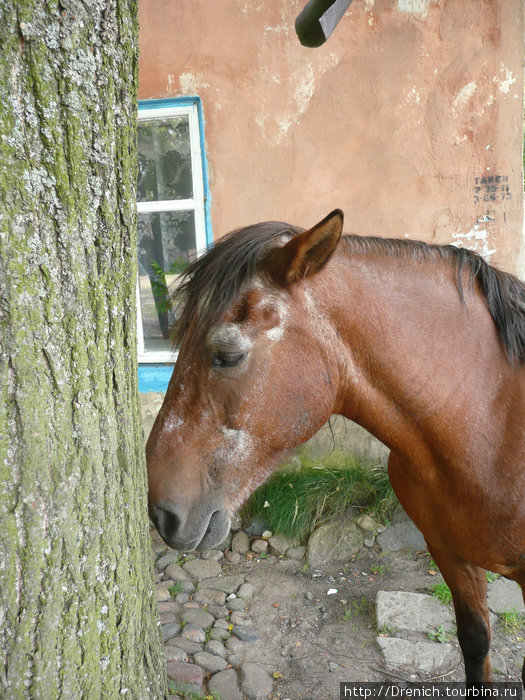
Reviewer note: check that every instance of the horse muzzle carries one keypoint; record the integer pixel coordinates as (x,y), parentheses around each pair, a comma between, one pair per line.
(201,528)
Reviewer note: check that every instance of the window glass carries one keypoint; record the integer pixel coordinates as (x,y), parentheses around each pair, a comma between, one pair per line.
(166,243)
(164,157)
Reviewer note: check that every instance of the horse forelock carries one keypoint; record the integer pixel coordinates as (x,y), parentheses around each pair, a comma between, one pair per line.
(211,284)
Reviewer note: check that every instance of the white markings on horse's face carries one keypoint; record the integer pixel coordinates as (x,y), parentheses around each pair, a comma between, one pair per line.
(262,318)
(237,440)
(277,332)
(272,301)
(229,335)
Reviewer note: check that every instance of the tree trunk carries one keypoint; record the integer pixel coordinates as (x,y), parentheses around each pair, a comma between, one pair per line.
(77,613)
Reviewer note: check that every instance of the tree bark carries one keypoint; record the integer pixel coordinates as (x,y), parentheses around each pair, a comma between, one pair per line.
(77,613)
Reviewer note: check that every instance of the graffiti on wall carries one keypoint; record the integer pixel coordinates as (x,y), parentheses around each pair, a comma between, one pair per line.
(491,188)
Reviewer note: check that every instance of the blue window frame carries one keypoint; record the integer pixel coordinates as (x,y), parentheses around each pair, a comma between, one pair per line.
(173,213)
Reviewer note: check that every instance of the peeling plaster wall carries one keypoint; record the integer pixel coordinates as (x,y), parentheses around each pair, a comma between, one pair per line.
(409,118)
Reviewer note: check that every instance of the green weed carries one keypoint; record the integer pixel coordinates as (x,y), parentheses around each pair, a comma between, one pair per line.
(511,621)
(442,591)
(491,576)
(355,607)
(175,589)
(299,498)
(439,635)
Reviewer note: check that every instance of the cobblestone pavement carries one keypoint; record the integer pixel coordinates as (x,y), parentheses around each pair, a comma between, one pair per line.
(254,620)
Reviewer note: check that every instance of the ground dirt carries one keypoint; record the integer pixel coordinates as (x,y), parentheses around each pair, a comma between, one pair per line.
(315,640)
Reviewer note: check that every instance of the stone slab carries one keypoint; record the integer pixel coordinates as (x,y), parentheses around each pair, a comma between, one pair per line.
(214,554)
(400,536)
(168,617)
(505,596)
(215,647)
(428,657)
(219,633)
(193,633)
(183,689)
(185,644)
(162,595)
(414,612)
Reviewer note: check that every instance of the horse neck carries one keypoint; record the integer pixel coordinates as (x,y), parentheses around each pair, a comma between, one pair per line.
(400,323)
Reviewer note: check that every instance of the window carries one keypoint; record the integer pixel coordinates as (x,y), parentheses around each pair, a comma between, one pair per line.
(172,213)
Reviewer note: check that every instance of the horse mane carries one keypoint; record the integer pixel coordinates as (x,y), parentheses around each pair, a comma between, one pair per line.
(209,286)
(504,293)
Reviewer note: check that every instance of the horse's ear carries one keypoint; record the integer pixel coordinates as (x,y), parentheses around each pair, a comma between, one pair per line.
(307,252)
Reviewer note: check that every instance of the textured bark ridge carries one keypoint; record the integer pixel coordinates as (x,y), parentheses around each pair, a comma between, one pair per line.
(77,615)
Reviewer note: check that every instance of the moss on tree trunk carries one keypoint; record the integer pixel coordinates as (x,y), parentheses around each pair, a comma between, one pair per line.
(77,614)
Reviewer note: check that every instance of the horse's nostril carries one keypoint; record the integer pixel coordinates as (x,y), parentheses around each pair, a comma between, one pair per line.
(166,522)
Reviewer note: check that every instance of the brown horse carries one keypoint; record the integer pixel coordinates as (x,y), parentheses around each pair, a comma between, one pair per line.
(422,345)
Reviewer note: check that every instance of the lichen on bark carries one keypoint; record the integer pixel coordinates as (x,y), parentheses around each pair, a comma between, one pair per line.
(77,614)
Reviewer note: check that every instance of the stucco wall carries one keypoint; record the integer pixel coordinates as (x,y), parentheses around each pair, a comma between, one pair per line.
(410,107)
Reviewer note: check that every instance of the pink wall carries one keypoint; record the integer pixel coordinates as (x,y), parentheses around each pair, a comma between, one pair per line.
(409,108)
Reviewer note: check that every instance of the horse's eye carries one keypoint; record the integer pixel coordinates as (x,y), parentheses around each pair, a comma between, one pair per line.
(227,359)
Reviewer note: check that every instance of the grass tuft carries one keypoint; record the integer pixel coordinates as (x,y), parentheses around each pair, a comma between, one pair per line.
(300,497)
(511,621)
(439,635)
(175,589)
(491,576)
(355,607)
(442,591)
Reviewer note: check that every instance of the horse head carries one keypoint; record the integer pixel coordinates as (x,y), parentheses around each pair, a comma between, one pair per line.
(255,376)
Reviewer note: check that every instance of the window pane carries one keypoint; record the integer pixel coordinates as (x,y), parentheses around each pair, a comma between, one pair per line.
(164,159)
(166,242)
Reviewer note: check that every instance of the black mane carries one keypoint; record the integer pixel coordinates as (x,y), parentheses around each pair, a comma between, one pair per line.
(212,282)
(504,294)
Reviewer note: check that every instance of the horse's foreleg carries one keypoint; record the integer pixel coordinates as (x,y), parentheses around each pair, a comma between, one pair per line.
(468,585)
